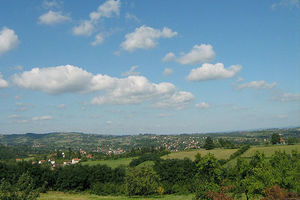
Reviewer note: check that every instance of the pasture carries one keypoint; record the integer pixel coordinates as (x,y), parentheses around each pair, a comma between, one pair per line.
(270,150)
(218,153)
(110,163)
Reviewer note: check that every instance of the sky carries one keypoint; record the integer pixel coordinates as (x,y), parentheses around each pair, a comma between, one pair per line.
(161,67)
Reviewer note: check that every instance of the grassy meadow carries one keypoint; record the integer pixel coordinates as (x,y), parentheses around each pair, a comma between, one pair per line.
(83,196)
(110,163)
(267,150)
(270,150)
(218,153)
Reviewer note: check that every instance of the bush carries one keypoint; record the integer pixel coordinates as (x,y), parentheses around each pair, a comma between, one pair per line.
(275,192)
(141,181)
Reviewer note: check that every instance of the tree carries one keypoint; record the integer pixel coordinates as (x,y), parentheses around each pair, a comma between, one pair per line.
(275,192)
(292,140)
(23,190)
(275,138)
(141,181)
(176,175)
(209,143)
(251,178)
(208,177)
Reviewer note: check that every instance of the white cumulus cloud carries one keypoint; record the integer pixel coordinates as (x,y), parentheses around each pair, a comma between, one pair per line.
(137,90)
(286,97)
(129,90)
(129,16)
(98,40)
(177,100)
(202,105)
(62,79)
(257,85)
(51,4)
(85,28)
(213,72)
(107,10)
(199,54)
(286,3)
(167,71)
(46,117)
(3,83)
(131,71)
(8,40)
(53,17)
(169,57)
(145,37)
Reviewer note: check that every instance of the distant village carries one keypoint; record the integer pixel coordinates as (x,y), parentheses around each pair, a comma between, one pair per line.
(171,143)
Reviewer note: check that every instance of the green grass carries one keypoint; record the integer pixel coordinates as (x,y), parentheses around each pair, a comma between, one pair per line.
(270,150)
(110,163)
(84,196)
(218,153)
(146,163)
(267,150)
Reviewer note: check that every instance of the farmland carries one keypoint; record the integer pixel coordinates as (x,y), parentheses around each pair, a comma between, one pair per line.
(270,150)
(218,153)
(110,163)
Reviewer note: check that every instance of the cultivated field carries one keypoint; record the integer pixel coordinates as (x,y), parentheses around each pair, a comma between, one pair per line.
(270,150)
(218,153)
(110,163)
(82,196)
(267,150)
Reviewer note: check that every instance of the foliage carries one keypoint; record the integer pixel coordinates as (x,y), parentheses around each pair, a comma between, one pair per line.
(275,193)
(23,190)
(251,178)
(141,181)
(292,140)
(275,138)
(143,158)
(239,152)
(209,176)
(227,144)
(177,176)
(221,194)
(209,143)
(13,152)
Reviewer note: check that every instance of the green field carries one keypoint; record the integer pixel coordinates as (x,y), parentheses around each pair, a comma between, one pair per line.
(110,163)
(267,150)
(83,196)
(270,150)
(218,153)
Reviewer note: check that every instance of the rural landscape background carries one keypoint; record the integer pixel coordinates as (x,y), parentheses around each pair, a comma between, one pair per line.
(130,99)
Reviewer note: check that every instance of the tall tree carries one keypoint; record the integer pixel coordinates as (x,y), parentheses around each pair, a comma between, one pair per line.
(275,138)
(209,176)
(209,143)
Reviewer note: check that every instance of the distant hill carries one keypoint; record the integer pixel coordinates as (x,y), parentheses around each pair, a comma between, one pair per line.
(104,143)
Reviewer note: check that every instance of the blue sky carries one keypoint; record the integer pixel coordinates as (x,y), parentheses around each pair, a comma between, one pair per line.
(165,67)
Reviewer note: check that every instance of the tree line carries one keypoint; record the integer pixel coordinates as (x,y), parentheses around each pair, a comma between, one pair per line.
(277,177)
